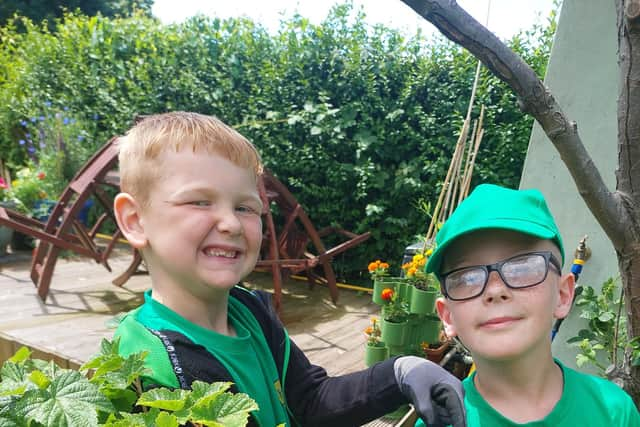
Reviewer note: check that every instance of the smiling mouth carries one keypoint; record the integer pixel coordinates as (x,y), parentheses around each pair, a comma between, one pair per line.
(498,321)
(216,252)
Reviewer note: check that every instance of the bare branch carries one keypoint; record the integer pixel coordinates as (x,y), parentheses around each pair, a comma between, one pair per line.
(536,100)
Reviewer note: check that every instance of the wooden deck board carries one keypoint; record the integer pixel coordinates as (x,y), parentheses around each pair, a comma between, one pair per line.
(82,302)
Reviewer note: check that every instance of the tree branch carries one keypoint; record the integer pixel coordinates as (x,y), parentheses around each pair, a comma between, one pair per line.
(535,99)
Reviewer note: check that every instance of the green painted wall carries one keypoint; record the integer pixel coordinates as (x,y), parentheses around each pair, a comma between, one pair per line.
(583,76)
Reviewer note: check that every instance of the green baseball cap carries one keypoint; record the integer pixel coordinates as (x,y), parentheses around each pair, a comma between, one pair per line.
(492,206)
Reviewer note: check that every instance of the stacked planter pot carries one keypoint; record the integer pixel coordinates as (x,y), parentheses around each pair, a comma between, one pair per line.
(421,326)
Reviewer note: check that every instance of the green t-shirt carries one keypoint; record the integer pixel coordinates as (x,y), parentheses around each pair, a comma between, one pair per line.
(246,356)
(586,401)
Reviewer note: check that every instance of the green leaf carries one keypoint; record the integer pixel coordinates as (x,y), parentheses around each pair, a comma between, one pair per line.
(165,419)
(9,417)
(606,316)
(21,355)
(39,379)
(229,410)
(70,400)
(13,372)
(172,400)
(581,360)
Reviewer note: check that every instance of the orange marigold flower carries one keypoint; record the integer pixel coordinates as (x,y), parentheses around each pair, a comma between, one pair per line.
(368,330)
(374,265)
(387,294)
(383,265)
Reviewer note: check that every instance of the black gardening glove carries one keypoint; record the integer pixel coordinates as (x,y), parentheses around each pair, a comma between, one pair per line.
(436,395)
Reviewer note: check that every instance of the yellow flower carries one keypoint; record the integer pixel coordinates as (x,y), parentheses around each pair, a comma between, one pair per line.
(429,252)
(418,257)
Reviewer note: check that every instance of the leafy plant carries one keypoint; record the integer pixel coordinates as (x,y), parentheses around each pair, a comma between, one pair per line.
(337,109)
(605,342)
(395,309)
(415,274)
(378,270)
(107,391)
(373,333)
(26,191)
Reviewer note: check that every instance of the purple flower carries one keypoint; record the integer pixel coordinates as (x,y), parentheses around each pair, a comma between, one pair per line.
(31,150)
(22,142)
(28,135)
(23,123)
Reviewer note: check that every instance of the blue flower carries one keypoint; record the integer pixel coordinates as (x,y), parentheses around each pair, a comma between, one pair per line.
(28,135)
(65,121)
(23,123)
(47,103)
(80,137)
(41,118)
(31,150)
(33,119)
(22,142)
(96,117)
(65,108)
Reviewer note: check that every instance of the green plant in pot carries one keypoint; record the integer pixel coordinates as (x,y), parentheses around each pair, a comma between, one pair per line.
(379,272)
(425,288)
(395,324)
(375,350)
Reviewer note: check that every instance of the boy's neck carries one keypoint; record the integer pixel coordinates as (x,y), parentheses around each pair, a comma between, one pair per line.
(522,390)
(210,313)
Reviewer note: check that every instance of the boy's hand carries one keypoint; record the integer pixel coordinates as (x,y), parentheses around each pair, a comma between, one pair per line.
(437,396)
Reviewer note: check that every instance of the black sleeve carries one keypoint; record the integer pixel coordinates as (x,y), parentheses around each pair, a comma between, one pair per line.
(315,398)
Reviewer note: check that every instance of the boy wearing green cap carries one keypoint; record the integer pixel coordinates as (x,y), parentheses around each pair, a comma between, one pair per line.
(499,261)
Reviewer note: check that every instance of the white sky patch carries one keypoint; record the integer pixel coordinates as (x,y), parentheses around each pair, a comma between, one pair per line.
(506,17)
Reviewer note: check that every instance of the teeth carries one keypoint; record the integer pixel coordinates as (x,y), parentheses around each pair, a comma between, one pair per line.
(220,252)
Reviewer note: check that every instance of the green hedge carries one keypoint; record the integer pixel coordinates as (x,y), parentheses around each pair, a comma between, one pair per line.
(359,122)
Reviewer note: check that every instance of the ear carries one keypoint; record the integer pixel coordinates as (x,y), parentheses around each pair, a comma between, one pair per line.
(127,212)
(442,306)
(566,290)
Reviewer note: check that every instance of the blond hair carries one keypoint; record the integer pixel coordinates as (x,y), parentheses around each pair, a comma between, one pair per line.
(141,148)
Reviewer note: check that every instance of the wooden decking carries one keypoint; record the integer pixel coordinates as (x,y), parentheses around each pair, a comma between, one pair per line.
(82,304)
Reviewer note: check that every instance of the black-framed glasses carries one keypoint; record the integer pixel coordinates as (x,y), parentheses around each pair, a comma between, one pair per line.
(518,272)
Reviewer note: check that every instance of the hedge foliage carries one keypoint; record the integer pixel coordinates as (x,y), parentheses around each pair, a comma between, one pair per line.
(360,122)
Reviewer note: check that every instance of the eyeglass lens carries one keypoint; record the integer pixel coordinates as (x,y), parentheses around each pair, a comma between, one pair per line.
(518,272)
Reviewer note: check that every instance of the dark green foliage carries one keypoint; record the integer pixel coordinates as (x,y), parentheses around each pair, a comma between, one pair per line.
(50,10)
(359,122)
